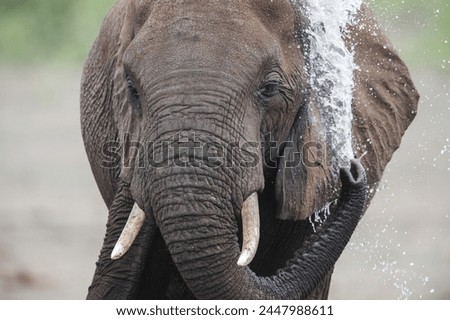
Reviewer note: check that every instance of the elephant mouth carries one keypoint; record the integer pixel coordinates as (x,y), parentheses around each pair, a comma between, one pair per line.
(250,231)
(207,255)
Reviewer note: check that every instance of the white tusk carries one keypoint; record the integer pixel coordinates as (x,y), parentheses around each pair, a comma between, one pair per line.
(129,233)
(250,229)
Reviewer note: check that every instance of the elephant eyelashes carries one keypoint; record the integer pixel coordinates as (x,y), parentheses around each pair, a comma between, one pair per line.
(133,93)
(271,86)
(270,89)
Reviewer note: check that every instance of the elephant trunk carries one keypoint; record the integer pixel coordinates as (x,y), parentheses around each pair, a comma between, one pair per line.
(200,230)
(199,227)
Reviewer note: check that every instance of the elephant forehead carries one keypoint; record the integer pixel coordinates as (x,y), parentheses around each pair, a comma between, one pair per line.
(166,13)
(214,32)
(278,16)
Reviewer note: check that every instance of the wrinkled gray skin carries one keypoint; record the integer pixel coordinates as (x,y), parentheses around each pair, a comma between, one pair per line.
(229,72)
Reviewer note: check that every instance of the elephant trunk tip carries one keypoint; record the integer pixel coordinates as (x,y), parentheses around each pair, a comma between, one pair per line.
(355,174)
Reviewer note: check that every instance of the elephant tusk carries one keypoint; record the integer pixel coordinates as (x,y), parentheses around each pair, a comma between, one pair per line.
(129,233)
(250,229)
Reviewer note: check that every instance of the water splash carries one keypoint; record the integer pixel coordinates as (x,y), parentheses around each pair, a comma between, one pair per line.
(387,261)
(445,149)
(330,65)
(320,216)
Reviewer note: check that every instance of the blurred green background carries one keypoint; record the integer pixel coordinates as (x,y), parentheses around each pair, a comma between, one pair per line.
(55,31)
(49,31)
(52,218)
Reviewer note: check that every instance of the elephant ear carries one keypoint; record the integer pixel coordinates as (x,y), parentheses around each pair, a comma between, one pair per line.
(125,116)
(383,106)
(385,99)
(107,118)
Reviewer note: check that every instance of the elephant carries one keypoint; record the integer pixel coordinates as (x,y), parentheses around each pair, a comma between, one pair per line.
(214,151)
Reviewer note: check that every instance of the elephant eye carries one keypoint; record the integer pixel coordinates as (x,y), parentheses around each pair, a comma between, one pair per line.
(271,86)
(270,89)
(132,88)
(134,94)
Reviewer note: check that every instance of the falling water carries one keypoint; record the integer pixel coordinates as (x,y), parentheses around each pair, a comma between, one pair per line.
(330,66)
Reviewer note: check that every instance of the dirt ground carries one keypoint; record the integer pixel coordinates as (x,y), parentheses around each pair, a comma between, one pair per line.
(52,218)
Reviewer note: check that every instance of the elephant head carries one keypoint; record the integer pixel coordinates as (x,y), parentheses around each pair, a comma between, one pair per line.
(217,114)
